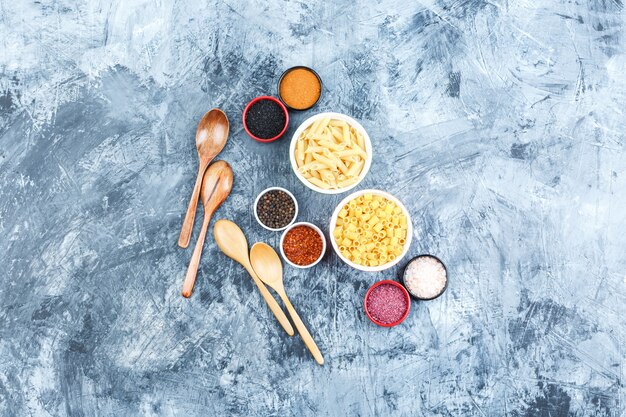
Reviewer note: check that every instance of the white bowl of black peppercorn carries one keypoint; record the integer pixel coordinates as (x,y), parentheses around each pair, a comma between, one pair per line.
(275,208)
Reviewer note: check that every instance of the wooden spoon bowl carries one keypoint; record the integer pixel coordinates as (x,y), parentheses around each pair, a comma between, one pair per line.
(216,186)
(267,265)
(231,240)
(211,136)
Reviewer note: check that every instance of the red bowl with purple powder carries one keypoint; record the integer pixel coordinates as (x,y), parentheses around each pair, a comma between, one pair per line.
(387,303)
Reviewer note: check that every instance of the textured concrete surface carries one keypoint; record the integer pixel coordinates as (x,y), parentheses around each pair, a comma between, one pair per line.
(499,124)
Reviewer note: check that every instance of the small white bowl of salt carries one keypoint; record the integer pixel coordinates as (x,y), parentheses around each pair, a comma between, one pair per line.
(425,277)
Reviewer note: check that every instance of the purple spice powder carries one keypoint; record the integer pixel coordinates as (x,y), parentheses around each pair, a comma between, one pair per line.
(386,303)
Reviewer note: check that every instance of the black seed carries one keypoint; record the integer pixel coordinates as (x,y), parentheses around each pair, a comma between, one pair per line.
(265,119)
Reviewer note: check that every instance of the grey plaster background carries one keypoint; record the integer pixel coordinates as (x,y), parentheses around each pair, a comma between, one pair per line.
(499,124)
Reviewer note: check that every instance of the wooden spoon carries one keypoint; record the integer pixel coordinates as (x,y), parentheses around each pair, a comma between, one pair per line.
(233,243)
(211,136)
(268,267)
(216,186)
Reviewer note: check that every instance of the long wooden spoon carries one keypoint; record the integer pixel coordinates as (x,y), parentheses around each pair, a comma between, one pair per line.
(231,240)
(216,186)
(211,136)
(268,267)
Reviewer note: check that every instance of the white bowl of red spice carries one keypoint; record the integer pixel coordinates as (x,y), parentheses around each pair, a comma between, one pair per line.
(302,245)
(387,303)
(275,208)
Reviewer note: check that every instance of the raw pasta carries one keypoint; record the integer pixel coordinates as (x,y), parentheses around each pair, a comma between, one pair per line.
(370,230)
(330,154)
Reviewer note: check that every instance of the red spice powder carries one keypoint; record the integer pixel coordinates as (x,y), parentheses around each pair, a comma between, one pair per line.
(386,303)
(302,245)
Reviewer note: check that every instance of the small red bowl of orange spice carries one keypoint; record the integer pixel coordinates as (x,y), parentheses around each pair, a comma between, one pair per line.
(302,245)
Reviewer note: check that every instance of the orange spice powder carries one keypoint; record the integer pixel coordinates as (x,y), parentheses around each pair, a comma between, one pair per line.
(300,89)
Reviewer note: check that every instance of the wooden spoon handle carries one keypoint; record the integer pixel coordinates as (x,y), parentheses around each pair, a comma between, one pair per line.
(304,333)
(185,231)
(271,301)
(192,271)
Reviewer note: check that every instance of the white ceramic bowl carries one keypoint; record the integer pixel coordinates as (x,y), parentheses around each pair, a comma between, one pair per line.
(312,226)
(256,201)
(351,122)
(409,231)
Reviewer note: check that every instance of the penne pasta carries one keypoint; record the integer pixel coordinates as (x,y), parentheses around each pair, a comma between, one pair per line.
(347,182)
(337,134)
(311,166)
(327,162)
(300,152)
(314,149)
(334,147)
(356,167)
(339,123)
(360,141)
(350,152)
(313,127)
(320,128)
(319,183)
(326,174)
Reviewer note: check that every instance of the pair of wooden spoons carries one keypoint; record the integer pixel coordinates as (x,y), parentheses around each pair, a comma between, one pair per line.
(264,266)
(213,185)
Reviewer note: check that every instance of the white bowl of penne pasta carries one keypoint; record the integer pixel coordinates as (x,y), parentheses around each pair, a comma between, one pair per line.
(371,230)
(330,153)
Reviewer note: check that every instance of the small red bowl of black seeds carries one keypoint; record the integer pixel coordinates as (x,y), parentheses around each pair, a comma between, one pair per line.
(275,208)
(265,119)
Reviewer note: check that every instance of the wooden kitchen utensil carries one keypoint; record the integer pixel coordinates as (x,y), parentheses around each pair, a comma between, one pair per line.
(211,136)
(231,240)
(267,265)
(216,186)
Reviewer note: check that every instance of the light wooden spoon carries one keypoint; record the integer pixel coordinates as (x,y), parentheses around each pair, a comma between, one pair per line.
(216,186)
(268,267)
(231,240)
(211,136)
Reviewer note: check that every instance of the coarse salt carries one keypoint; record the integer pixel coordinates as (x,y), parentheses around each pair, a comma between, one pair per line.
(425,277)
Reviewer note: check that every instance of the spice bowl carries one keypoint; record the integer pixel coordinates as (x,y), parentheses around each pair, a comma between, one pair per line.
(279,192)
(425,277)
(306,81)
(301,249)
(264,119)
(387,303)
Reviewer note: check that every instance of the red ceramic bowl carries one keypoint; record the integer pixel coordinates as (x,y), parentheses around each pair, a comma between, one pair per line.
(275,100)
(406,297)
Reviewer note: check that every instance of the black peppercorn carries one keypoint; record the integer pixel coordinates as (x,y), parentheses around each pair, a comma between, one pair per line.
(276,209)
